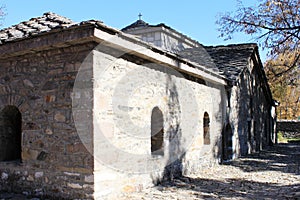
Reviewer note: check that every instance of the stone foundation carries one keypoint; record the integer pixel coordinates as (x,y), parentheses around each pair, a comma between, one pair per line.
(290,129)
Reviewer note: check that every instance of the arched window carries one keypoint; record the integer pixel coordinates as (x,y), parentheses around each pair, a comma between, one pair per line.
(10,133)
(157,132)
(206,132)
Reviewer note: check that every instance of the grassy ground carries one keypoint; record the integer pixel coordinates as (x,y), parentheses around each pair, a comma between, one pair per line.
(282,139)
(294,140)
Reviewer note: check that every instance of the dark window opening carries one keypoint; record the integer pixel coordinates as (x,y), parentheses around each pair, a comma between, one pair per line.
(228,99)
(249,131)
(206,132)
(10,134)
(157,132)
(227,143)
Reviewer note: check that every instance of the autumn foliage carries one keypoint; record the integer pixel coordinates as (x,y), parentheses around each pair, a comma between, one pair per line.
(285,87)
(275,25)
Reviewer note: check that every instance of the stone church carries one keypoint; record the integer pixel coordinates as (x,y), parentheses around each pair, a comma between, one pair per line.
(90,112)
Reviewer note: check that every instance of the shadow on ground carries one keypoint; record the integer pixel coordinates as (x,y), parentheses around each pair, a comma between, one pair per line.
(284,157)
(234,189)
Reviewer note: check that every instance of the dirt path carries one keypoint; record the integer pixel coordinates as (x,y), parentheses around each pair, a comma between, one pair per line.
(272,174)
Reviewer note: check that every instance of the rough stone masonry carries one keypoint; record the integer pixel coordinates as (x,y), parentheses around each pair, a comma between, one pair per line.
(54,160)
(89,112)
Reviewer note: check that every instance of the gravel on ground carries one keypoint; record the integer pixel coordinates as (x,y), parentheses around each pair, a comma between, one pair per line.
(274,173)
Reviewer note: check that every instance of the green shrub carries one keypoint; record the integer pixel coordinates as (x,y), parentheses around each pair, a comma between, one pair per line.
(280,138)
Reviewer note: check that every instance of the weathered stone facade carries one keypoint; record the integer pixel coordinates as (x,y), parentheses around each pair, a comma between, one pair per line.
(125,95)
(100,113)
(54,160)
(249,124)
(250,113)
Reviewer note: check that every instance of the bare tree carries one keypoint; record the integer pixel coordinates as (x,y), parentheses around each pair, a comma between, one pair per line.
(274,23)
(2,14)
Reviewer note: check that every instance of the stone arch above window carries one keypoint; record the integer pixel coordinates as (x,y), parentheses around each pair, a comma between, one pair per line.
(157,132)
(206,131)
(10,133)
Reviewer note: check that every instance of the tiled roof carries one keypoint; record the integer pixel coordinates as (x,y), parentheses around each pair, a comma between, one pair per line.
(138,24)
(228,60)
(199,55)
(231,59)
(34,26)
(142,24)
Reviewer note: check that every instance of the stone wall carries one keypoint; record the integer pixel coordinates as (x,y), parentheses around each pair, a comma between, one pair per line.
(87,127)
(54,162)
(250,113)
(86,122)
(125,94)
(290,129)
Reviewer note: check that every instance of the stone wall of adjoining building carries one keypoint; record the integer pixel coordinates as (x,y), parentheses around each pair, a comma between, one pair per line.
(250,113)
(290,129)
(53,161)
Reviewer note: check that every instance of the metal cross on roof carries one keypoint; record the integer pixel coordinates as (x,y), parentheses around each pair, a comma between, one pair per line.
(140,16)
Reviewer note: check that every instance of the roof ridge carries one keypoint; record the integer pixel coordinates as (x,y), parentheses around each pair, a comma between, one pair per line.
(245,45)
(137,24)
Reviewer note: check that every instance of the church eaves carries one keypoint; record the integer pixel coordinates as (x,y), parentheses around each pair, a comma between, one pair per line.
(30,32)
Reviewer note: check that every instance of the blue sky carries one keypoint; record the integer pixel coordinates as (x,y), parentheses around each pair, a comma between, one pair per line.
(195,18)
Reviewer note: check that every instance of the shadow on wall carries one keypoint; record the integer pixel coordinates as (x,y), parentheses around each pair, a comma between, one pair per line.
(223,146)
(217,150)
(223,150)
(173,133)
